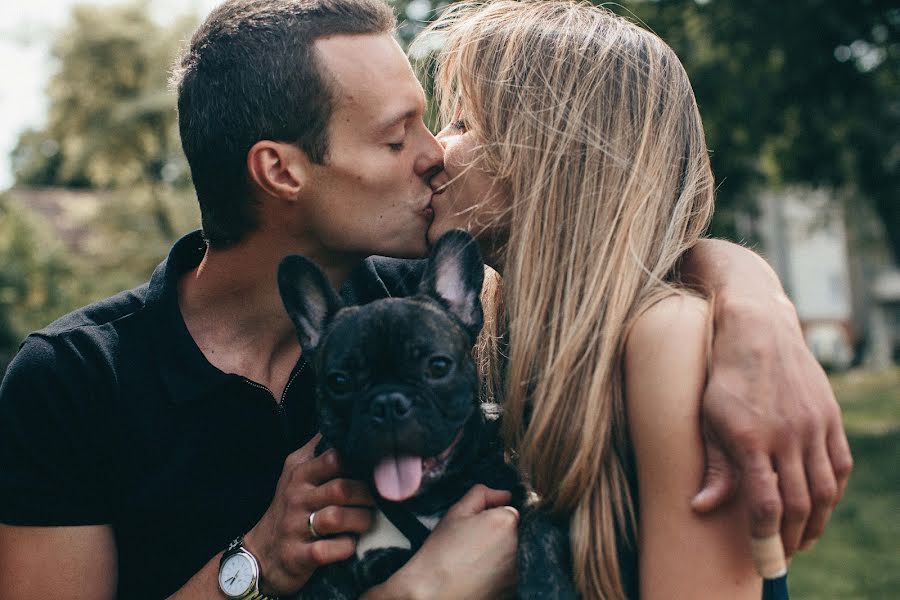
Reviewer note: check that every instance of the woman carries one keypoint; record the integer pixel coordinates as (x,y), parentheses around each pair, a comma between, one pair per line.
(579,136)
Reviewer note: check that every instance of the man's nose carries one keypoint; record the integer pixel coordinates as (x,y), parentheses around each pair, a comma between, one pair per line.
(431,160)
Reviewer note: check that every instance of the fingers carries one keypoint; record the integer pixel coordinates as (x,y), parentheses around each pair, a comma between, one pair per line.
(308,450)
(797,504)
(497,498)
(333,520)
(823,490)
(768,556)
(341,492)
(323,552)
(511,510)
(478,499)
(840,457)
(719,481)
(760,485)
(316,470)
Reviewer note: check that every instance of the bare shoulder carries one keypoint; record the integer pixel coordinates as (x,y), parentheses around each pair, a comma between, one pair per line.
(665,330)
(665,368)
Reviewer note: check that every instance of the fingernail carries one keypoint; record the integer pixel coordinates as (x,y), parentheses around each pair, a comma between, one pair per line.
(807,545)
(512,510)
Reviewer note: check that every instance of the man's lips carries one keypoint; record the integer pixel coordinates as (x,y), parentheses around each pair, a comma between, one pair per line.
(429,210)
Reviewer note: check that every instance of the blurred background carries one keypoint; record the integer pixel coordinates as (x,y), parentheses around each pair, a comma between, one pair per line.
(801,104)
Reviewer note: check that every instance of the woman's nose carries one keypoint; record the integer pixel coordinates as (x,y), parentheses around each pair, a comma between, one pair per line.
(443,136)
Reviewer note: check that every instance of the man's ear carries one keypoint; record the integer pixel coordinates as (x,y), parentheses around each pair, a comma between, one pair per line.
(308,297)
(454,277)
(279,169)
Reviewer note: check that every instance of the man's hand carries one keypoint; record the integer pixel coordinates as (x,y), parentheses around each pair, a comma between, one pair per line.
(287,552)
(470,554)
(769,412)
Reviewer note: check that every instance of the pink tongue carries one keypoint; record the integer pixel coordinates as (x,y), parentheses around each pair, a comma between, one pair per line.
(398,477)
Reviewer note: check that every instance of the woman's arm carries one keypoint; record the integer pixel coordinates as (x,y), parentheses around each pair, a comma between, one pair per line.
(767,402)
(683,554)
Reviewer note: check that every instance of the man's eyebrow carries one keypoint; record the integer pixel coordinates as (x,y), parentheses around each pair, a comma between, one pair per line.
(391,122)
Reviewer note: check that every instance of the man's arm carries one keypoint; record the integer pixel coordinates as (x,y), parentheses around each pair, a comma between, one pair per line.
(53,541)
(58,562)
(768,410)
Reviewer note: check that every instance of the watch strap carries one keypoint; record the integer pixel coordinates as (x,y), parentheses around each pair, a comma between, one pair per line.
(258,595)
(236,546)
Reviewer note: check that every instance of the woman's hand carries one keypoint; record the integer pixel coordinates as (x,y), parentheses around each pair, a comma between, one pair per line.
(470,554)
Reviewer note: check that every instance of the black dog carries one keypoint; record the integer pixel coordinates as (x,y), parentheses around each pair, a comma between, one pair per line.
(398,400)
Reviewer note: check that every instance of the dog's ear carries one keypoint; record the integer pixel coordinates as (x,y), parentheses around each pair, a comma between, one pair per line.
(308,297)
(454,277)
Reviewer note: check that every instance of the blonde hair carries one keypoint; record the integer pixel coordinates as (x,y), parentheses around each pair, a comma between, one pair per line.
(591,123)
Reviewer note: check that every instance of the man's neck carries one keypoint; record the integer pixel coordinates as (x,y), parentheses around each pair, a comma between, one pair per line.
(232,308)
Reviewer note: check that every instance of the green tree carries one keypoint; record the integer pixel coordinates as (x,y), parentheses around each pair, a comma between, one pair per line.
(112,129)
(805,92)
(111,121)
(36,278)
(802,92)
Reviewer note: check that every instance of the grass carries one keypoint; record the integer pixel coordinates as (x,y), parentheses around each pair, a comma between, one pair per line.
(858,557)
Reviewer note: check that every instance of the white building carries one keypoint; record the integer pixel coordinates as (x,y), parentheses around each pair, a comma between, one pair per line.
(805,240)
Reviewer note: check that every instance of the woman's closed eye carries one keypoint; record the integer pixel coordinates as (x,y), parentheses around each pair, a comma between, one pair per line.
(459,124)
(396,146)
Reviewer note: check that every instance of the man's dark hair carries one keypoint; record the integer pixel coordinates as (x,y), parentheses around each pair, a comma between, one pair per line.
(250,74)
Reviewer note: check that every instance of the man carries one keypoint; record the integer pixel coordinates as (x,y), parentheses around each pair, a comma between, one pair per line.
(141,435)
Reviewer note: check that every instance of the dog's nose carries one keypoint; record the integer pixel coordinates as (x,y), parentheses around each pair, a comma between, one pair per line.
(390,406)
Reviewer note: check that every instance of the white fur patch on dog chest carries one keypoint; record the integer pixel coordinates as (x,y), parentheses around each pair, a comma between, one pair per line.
(385,534)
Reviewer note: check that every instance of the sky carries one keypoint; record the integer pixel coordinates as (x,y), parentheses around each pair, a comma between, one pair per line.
(26,34)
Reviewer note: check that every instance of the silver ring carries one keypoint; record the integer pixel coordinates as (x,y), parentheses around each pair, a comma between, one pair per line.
(312,528)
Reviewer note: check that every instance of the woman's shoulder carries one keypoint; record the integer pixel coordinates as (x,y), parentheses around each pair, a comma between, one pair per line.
(665,359)
(666,326)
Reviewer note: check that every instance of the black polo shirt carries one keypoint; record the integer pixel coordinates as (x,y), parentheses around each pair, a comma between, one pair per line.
(112,415)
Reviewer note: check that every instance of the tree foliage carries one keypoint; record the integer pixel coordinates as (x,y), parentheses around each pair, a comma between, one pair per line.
(112,129)
(795,92)
(111,121)
(799,92)
(802,92)
(36,278)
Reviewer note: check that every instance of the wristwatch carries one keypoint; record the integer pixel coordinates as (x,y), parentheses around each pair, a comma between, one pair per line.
(239,573)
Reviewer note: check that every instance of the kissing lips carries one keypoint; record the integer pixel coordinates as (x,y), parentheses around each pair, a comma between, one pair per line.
(398,477)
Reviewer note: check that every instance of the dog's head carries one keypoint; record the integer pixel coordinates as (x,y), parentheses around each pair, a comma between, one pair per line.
(396,381)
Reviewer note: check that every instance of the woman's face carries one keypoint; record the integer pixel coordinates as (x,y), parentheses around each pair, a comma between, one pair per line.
(467,197)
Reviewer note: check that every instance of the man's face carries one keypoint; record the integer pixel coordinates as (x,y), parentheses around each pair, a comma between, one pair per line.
(372,194)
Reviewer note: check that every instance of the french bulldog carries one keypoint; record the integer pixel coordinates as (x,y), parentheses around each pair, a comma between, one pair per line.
(397,398)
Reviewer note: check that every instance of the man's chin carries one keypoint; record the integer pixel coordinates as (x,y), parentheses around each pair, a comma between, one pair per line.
(434,234)
(414,249)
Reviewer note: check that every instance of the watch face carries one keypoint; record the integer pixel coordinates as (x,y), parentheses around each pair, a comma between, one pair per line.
(237,575)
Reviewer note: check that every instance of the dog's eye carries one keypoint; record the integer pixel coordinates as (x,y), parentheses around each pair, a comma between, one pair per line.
(438,366)
(339,383)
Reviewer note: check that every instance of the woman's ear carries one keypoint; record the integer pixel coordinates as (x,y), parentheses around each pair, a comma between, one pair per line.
(278,169)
